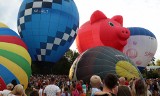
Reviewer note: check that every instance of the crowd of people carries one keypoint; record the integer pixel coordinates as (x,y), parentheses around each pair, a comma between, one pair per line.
(60,85)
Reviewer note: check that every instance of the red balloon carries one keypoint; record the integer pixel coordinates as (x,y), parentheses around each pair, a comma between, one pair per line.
(102,31)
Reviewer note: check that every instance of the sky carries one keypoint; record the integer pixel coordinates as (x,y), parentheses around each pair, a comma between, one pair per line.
(136,13)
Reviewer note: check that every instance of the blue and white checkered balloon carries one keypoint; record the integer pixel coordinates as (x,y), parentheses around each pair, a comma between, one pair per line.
(48,27)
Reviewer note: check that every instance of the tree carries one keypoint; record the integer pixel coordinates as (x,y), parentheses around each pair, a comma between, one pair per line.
(152,62)
(158,62)
(153,74)
(71,55)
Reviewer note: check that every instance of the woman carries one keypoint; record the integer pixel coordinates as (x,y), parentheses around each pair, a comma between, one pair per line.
(17,91)
(139,88)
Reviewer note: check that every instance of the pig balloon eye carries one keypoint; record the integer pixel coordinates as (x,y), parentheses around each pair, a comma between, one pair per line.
(111,24)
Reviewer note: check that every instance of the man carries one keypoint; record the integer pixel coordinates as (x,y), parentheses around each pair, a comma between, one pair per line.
(123,89)
(122,81)
(52,89)
(110,86)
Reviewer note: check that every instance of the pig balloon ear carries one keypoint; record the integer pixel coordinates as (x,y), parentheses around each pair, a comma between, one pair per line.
(118,18)
(96,16)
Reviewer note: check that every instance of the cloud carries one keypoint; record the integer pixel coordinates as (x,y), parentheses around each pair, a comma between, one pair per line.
(141,13)
(9,12)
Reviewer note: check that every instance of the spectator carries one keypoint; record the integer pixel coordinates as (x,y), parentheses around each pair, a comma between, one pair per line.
(40,92)
(155,88)
(110,86)
(34,93)
(74,90)
(79,85)
(96,82)
(1,93)
(84,87)
(123,91)
(5,92)
(148,87)
(65,93)
(52,89)
(122,81)
(126,82)
(14,82)
(17,91)
(139,88)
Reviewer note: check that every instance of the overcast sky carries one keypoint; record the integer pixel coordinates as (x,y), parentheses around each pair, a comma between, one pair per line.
(136,13)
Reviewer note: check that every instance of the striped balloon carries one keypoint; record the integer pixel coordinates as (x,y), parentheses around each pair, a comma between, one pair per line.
(15,61)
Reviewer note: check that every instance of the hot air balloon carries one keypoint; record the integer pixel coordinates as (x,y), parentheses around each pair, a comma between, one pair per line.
(15,61)
(100,61)
(102,31)
(141,46)
(48,27)
(2,83)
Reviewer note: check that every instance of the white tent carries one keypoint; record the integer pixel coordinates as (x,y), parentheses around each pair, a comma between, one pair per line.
(153,67)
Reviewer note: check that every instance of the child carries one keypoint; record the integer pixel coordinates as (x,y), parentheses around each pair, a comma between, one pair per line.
(96,83)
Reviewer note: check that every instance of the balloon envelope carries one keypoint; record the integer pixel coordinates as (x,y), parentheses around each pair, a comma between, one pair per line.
(15,61)
(100,61)
(141,46)
(3,85)
(102,31)
(48,27)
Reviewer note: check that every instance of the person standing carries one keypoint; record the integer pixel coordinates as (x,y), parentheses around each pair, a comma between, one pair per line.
(139,88)
(110,87)
(52,89)
(18,90)
(95,82)
(84,88)
(5,92)
(65,93)
(40,92)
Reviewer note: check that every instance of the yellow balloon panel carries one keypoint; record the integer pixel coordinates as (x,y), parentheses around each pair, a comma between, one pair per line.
(16,70)
(3,25)
(16,49)
(125,69)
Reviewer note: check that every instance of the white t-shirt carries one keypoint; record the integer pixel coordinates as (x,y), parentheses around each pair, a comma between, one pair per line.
(94,90)
(5,92)
(149,93)
(84,88)
(0,92)
(40,92)
(51,90)
(68,83)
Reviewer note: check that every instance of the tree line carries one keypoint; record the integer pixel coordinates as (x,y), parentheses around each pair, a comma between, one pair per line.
(61,67)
